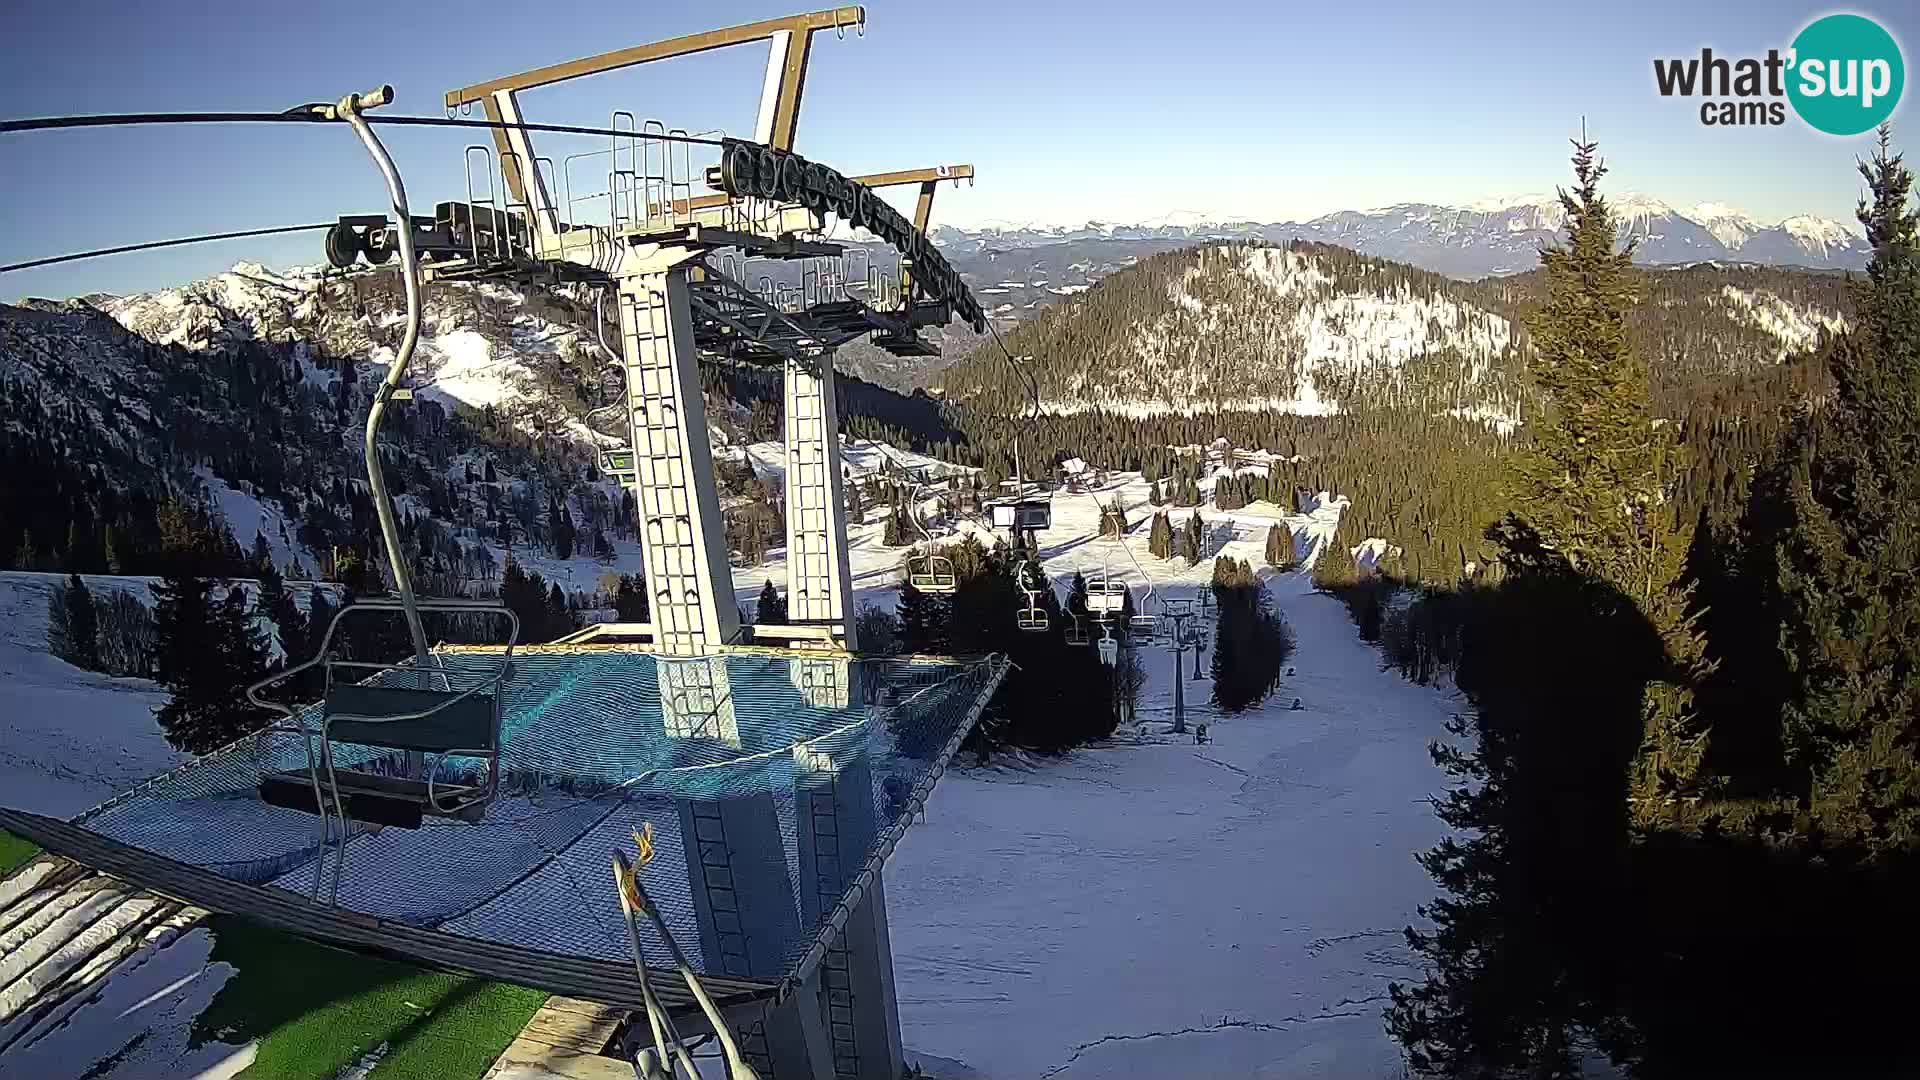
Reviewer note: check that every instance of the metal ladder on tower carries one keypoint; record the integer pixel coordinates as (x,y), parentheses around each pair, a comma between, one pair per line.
(661,465)
(809,503)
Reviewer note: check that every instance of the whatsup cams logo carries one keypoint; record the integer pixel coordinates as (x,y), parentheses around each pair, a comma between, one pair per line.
(1843,75)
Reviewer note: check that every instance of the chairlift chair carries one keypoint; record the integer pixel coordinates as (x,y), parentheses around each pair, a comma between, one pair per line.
(400,708)
(1077,631)
(1109,648)
(1032,618)
(1106,595)
(381,711)
(928,572)
(931,573)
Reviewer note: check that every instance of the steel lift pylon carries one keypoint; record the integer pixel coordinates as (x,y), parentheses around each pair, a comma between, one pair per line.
(674,260)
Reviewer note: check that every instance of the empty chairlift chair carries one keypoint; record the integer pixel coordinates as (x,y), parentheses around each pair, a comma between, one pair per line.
(927,571)
(931,573)
(1032,618)
(1106,596)
(388,716)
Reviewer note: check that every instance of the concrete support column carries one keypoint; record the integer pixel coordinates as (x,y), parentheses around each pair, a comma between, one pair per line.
(819,582)
(838,825)
(689,581)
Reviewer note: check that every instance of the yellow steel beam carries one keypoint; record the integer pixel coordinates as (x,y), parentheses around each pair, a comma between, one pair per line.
(801,26)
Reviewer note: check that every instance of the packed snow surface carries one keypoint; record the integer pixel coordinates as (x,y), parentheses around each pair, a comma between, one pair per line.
(1145,907)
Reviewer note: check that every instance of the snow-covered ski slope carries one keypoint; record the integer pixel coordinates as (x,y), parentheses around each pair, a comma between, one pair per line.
(1148,907)
(69,739)
(1160,908)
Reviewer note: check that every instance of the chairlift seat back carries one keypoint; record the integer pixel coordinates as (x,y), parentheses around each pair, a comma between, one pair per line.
(1023,514)
(464,724)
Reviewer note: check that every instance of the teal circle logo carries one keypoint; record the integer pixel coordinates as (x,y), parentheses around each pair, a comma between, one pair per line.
(1846,74)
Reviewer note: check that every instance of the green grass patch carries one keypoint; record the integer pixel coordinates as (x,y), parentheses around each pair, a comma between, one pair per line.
(315,1010)
(14,853)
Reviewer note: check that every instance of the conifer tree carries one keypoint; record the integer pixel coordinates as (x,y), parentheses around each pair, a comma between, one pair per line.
(923,619)
(772,610)
(83,626)
(1850,559)
(1334,567)
(1196,541)
(1160,537)
(1250,640)
(277,604)
(206,653)
(1591,495)
(1279,545)
(630,599)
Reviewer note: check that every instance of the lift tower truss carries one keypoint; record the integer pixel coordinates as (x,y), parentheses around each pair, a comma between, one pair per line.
(684,268)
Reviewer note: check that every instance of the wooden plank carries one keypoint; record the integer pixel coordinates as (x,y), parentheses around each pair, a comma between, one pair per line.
(570,1031)
(583,1007)
(526,1059)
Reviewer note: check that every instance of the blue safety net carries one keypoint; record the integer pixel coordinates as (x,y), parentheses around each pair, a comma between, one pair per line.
(770,781)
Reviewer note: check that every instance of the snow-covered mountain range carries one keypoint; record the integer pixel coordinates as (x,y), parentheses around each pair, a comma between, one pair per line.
(1489,236)
(1315,329)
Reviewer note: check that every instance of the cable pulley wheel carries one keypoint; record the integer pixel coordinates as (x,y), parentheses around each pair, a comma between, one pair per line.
(343,246)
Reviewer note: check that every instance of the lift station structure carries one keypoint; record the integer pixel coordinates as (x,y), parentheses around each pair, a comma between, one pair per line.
(775,765)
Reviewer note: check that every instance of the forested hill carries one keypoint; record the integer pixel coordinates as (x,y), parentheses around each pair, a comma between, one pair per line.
(244,396)
(1315,329)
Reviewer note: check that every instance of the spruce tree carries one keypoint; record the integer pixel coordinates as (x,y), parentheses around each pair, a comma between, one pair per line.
(83,626)
(772,610)
(277,605)
(923,619)
(1592,493)
(1334,567)
(1196,538)
(1851,634)
(1160,537)
(559,613)
(630,599)
(205,655)
(1279,545)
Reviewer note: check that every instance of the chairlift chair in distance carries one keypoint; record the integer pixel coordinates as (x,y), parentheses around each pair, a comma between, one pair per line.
(1032,618)
(1077,631)
(927,571)
(1106,595)
(385,713)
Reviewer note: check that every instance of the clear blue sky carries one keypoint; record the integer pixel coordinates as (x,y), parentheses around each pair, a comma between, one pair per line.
(1072,111)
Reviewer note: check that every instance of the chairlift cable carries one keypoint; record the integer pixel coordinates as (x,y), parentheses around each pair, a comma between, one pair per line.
(303,114)
(151,244)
